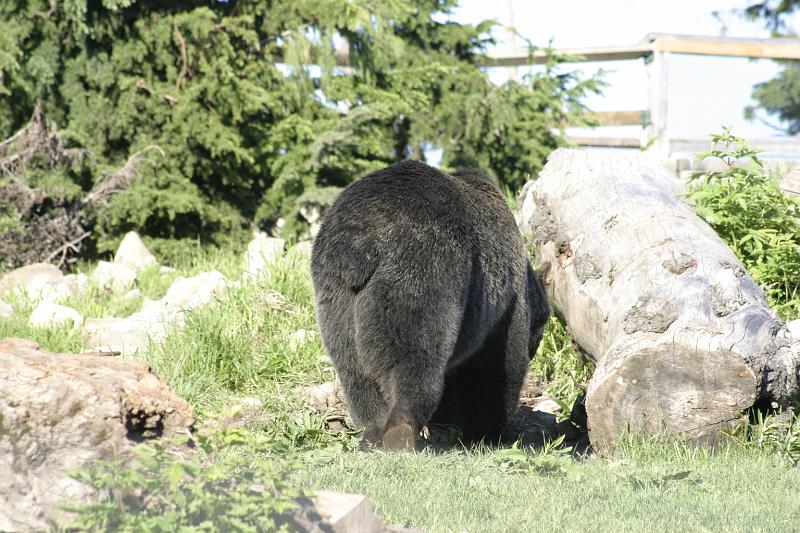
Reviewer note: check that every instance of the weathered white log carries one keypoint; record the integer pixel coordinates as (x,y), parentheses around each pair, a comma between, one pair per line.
(681,336)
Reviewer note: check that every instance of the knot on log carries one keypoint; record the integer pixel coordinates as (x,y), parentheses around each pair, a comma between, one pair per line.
(650,316)
(679,265)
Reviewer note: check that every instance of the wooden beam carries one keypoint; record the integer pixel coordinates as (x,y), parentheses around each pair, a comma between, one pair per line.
(718,47)
(621,118)
(539,56)
(604,142)
(678,44)
(787,147)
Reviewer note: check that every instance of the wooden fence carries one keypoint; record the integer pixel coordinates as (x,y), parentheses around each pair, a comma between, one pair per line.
(655,49)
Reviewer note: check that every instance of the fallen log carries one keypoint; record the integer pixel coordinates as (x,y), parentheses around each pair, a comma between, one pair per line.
(681,336)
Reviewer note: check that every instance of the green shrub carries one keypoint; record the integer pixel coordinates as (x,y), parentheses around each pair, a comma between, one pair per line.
(559,365)
(223,484)
(747,208)
(222,114)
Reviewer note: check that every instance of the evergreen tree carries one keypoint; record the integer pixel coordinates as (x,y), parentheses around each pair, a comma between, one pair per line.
(780,96)
(232,110)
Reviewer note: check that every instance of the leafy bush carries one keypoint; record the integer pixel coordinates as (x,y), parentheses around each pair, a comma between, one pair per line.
(770,433)
(761,224)
(233,110)
(560,366)
(223,485)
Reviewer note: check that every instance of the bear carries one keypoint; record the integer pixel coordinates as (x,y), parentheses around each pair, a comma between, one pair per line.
(427,303)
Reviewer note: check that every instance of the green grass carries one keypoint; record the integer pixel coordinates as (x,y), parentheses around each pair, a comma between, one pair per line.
(241,347)
(643,486)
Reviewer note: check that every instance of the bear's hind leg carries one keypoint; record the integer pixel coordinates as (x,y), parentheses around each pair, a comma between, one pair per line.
(366,404)
(486,387)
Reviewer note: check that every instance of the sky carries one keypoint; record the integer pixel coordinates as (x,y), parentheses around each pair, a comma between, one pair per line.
(704,92)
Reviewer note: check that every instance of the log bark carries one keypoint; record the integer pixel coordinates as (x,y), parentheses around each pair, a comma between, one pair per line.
(681,336)
(59,412)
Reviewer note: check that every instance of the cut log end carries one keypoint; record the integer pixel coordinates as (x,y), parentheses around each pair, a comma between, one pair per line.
(666,387)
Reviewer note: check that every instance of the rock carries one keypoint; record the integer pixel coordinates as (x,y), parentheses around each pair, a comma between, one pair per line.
(299,337)
(251,402)
(303,248)
(194,292)
(322,397)
(133,253)
(261,251)
(336,512)
(5,310)
(157,318)
(347,513)
(114,276)
(794,329)
(311,212)
(59,289)
(165,270)
(61,411)
(132,295)
(132,334)
(547,405)
(49,314)
(78,284)
(31,280)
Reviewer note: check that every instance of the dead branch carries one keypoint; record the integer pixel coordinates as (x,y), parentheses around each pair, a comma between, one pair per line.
(120,179)
(184,57)
(65,248)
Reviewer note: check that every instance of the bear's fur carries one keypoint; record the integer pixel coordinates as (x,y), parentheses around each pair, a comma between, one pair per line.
(426,302)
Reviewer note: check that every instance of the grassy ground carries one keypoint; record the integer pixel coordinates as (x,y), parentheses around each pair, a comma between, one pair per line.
(241,348)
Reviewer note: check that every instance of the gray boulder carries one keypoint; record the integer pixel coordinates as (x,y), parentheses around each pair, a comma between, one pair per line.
(262,251)
(31,280)
(133,253)
(49,314)
(114,276)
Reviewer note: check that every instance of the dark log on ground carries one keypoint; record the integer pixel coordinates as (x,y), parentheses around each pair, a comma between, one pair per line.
(681,336)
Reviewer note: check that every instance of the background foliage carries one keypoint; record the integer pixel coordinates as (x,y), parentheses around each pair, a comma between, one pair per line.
(234,109)
(747,208)
(780,96)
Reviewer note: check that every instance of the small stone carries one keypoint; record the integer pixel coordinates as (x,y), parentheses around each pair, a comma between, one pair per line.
(78,283)
(49,314)
(347,512)
(165,270)
(194,292)
(547,405)
(132,334)
(299,337)
(321,397)
(311,212)
(71,286)
(251,402)
(132,295)
(303,248)
(262,251)
(5,310)
(133,253)
(31,280)
(114,276)
(794,328)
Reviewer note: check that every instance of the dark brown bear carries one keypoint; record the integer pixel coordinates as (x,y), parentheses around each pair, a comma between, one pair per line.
(427,303)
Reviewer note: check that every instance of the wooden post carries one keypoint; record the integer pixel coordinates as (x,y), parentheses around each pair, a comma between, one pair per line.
(657,132)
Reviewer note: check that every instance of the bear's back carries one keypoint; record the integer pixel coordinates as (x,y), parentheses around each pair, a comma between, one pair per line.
(411,192)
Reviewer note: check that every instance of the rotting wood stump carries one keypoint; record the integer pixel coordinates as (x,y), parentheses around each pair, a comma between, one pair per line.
(681,336)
